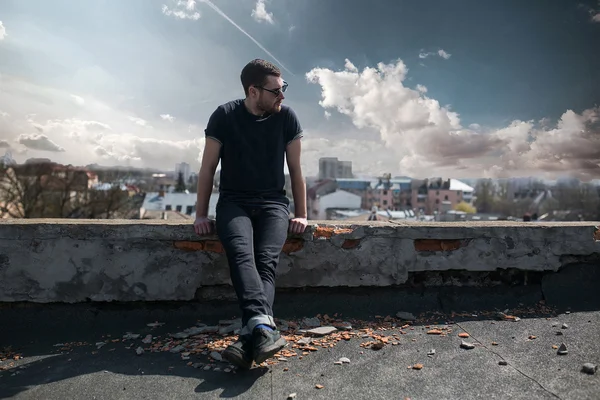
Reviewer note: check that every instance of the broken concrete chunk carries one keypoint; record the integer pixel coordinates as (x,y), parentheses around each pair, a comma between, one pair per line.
(562,350)
(291,396)
(305,341)
(589,368)
(225,330)
(130,335)
(155,324)
(180,335)
(216,356)
(322,331)
(177,349)
(466,345)
(311,322)
(565,326)
(147,339)
(405,316)
(139,351)
(431,353)
(337,363)
(343,326)
(345,360)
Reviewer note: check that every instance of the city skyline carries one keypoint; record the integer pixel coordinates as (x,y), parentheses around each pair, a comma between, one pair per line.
(393,87)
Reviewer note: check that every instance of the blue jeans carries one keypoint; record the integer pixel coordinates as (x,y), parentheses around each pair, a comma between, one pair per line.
(253,237)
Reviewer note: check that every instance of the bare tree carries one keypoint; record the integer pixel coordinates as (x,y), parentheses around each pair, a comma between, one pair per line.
(48,190)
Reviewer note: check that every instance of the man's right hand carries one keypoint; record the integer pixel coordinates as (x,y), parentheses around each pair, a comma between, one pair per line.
(203,226)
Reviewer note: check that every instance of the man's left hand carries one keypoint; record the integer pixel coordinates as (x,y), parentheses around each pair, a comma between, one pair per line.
(298,225)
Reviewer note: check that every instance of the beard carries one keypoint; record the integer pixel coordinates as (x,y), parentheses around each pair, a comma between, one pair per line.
(270,106)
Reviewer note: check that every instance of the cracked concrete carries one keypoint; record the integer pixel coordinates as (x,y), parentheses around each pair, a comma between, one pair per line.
(111,260)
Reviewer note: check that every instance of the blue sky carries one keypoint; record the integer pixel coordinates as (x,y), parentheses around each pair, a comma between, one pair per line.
(429,88)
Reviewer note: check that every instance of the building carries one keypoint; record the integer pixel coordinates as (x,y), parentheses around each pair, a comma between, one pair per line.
(184,168)
(440,196)
(183,203)
(325,206)
(332,168)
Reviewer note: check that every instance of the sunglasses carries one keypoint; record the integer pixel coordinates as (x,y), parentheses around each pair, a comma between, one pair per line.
(276,92)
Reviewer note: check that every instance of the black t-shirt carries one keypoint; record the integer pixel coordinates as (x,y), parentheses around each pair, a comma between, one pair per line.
(252,151)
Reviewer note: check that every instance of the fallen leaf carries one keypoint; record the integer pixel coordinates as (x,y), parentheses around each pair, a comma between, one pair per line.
(319,386)
(434,332)
(463,335)
(418,366)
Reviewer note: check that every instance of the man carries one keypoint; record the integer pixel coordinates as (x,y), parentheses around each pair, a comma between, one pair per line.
(251,137)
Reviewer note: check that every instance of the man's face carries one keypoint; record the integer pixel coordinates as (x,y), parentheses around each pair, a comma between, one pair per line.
(271,95)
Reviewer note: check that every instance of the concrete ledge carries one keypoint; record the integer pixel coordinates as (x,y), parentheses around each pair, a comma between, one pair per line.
(112,260)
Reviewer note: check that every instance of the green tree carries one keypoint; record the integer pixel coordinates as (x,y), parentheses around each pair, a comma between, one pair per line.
(180,187)
(465,207)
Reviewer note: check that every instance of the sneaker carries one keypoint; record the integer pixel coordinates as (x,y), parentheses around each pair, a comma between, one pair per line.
(266,343)
(239,353)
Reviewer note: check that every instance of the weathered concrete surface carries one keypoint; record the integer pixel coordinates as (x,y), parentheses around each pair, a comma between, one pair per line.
(65,362)
(75,260)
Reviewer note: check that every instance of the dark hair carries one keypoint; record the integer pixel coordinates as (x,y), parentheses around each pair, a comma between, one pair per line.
(256,73)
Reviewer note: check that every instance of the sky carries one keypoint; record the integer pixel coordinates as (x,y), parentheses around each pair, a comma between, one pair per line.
(466,89)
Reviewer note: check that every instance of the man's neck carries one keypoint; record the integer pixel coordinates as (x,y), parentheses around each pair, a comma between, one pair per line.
(253,109)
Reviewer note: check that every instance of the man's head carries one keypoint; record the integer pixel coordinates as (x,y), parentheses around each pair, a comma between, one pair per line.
(263,85)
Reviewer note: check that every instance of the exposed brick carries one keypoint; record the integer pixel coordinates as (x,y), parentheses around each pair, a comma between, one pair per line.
(327,232)
(350,243)
(213,246)
(293,245)
(437,245)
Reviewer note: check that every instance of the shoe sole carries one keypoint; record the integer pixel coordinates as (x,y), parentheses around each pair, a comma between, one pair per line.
(270,351)
(236,359)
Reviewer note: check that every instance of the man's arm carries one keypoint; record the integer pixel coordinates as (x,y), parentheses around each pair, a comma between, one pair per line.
(210,161)
(293,152)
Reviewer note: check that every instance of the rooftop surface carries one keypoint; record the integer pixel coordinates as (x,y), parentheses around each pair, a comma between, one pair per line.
(57,351)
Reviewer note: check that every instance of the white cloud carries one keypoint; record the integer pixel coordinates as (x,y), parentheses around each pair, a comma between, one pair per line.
(91,133)
(421,88)
(260,13)
(139,121)
(182,9)
(2,31)
(39,142)
(429,140)
(4,114)
(327,114)
(442,53)
(78,100)
(167,117)
(4,143)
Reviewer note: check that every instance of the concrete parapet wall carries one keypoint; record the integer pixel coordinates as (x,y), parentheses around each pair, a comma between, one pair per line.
(112,260)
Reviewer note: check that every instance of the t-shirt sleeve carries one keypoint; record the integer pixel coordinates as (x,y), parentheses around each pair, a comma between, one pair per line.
(215,129)
(293,127)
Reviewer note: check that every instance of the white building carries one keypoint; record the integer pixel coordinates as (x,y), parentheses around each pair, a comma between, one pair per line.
(184,168)
(184,203)
(338,200)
